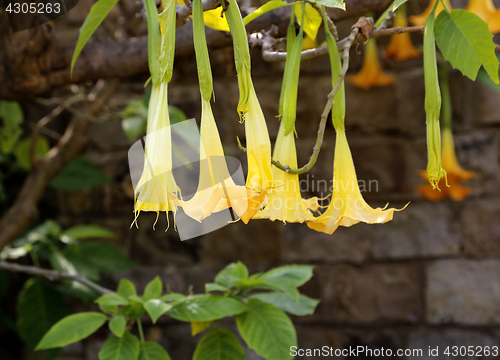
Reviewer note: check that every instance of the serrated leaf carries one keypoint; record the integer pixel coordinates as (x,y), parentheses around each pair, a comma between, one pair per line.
(268,6)
(126,289)
(305,305)
(466,42)
(153,289)
(339,4)
(89,232)
(153,351)
(205,308)
(156,308)
(117,325)
(312,19)
(219,344)
(199,326)
(79,174)
(397,3)
(112,299)
(126,347)
(214,20)
(97,13)
(71,329)
(38,308)
(267,330)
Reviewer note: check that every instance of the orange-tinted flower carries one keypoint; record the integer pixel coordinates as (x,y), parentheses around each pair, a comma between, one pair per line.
(401,48)
(371,73)
(419,20)
(486,11)
(449,186)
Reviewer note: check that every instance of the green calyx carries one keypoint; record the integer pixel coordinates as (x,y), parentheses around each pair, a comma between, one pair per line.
(290,39)
(167,49)
(201,51)
(154,40)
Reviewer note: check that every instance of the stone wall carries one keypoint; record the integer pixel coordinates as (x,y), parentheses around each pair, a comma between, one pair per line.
(430,277)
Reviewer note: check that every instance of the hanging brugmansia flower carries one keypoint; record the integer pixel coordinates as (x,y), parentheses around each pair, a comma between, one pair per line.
(401,48)
(286,203)
(435,170)
(347,206)
(419,20)
(259,178)
(454,171)
(156,189)
(486,11)
(216,189)
(371,73)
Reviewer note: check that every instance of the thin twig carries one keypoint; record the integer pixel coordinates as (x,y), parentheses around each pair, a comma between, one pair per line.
(54,275)
(275,56)
(328,107)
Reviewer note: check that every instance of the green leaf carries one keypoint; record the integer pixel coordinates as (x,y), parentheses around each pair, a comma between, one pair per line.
(71,329)
(12,116)
(126,347)
(172,297)
(156,308)
(112,299)
(153,351)
(339,4)
(312,20)
(134,311)
(79,174)
(117,325)
(267,330)
(134,127)
(219,344)
(154,289)
(38,308)
(289,275)
(466,42)
(97,13)
(199,326)
(126,289)
(22,151)
(231,273)
(205,308)
(397,3)
(215,287)
(305,305)
(104,257)
(176,115)
(268,6)
(109,309)
(88,232)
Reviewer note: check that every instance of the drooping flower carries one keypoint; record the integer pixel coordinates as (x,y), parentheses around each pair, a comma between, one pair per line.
(455,174)
(259,178)
(286,203)
(486,11)
(419,20)
(401,48)
(156,189)
(371,73)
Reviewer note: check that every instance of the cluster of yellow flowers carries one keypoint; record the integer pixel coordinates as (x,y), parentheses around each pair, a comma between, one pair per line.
(270,193)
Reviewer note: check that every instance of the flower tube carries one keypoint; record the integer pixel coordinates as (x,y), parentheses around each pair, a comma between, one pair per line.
(401,48)
(419,20)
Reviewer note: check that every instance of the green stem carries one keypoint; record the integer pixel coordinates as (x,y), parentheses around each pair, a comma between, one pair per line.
(141,333)
(446,110)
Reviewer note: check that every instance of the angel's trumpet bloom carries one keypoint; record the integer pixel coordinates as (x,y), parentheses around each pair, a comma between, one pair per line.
(286,203)
(156,189)
(401,48)
(347,206)
(454,171)
(371,73)
(419,20)
(486,11)
(259,178)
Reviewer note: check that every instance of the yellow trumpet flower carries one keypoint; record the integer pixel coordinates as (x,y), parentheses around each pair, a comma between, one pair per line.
(156,189)
(371,73)
(401,48)
(419,20)
(286,203)
(454,171)
(347,206)
(486,11)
